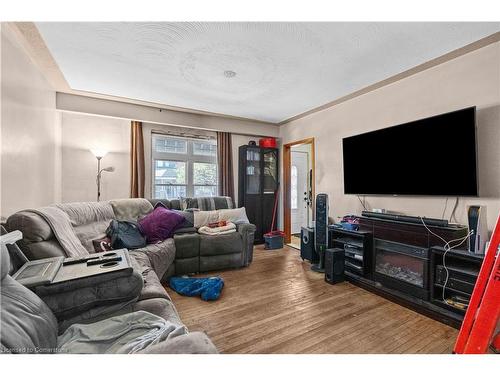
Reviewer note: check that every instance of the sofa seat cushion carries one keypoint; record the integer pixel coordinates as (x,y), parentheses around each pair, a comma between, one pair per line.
(187,245)
(161,307)
(192,343)
(160,255)
(152,287)
(220,262)
(222,244)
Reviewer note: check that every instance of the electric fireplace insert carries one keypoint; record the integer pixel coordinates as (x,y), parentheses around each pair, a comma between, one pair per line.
(402,267)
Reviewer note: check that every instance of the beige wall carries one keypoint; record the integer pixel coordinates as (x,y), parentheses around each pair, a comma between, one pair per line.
(472,79)
(80,133)
(110,113)
(30,132)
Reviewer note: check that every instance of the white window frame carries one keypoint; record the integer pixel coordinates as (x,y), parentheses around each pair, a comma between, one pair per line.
(189,158)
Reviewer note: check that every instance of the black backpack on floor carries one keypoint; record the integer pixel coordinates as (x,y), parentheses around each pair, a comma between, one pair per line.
(125,234)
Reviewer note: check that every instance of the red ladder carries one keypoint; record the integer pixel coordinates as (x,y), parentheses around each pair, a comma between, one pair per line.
(481,318)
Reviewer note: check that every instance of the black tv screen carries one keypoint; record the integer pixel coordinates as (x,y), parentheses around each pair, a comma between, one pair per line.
(432,156)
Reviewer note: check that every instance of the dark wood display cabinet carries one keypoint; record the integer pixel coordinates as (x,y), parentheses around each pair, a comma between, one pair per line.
(258,179)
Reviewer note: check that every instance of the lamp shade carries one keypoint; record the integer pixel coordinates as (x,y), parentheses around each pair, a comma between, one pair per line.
(98,153)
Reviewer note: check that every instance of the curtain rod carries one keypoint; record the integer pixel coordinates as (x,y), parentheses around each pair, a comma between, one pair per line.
(183,134)
(169,132)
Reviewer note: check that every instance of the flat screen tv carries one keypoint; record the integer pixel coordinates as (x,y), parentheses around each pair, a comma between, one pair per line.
(432,156)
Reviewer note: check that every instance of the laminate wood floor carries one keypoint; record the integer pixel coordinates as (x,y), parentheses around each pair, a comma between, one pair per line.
(277,305)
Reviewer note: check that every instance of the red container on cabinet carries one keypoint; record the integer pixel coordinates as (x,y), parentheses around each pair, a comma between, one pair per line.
(267,142)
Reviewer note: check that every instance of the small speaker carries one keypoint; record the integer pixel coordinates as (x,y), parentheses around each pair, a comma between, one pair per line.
(334,265)
(477,223)
(307,250)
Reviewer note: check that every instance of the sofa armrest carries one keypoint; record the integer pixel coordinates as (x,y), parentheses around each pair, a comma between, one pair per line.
(247,232)
(191,343)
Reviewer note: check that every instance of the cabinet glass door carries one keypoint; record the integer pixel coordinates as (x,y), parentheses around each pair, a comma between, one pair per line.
(270,171)
(253,171)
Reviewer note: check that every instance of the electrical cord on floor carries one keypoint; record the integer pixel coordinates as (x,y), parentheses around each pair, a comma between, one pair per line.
(447,248)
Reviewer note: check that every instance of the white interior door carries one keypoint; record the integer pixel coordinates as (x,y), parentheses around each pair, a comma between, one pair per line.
(299,172)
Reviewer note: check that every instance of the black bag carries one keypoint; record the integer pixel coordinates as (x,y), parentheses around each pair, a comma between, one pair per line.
(125,234)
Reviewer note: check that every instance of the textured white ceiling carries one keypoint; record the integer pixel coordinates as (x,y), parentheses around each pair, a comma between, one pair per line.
(282,69)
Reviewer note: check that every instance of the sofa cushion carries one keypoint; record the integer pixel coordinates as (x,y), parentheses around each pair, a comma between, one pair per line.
(165,202)
(188,214)
(161,307)
(42,249)
(192,343)
(185,230)
(187,245)
(222,261)
(81,213)
(208,203)
(152,287)
(131,208)
(26,323)
(160,256)
(234,215)
(176,204)
(33,226)
(223,244)
(188,218)
(187,266)
(89,220)
(160,224)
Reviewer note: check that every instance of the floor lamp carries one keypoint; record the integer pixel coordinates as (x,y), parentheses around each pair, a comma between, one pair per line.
(99,154)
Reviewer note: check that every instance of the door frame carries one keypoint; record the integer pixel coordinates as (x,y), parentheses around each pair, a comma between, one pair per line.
(287,183)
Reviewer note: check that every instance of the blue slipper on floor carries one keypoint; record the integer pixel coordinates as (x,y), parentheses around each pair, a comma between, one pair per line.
(209,288)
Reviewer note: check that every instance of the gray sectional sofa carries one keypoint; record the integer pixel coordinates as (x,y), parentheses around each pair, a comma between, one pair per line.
(29,326)
(192,253)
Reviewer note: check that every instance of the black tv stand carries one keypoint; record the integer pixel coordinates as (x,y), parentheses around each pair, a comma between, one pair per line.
(399,266)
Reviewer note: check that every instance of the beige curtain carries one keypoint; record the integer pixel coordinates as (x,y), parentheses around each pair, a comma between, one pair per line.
(225,161)
(137,175)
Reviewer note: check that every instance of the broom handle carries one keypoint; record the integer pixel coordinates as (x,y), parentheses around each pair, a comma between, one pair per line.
(276,192)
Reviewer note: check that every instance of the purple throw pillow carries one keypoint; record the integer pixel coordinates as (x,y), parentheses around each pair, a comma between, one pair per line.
(160,224)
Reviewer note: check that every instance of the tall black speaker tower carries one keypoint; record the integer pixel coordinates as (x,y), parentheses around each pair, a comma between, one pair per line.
(321,231)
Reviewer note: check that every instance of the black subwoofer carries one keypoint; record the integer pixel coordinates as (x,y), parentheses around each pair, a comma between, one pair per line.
(307,250)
